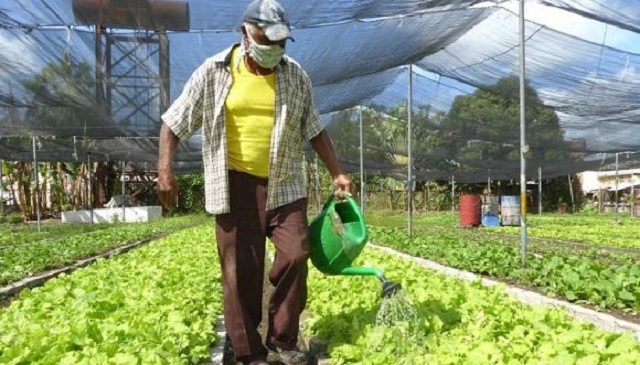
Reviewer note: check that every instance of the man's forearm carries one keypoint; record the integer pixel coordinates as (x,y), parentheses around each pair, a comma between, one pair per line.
(323,146)
(167,147)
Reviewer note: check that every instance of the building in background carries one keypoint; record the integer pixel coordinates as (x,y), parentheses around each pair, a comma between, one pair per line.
(605,188)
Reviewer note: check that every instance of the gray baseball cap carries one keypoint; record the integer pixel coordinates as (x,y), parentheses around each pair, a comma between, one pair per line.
(271,17)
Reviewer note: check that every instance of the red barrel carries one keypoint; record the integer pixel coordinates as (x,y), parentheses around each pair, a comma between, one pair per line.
(470,210)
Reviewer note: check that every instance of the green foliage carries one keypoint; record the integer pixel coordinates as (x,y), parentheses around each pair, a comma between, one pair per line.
(69,83)
(384,134)
(480,133)
(192,197)
(589,209)
(15,218)
(458,323)
(560,272)
(385,147)
(155,305)
(596,230)
(487,125)
(21,261)
(27,233)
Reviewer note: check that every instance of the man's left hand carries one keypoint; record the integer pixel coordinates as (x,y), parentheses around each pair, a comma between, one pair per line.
(342,184)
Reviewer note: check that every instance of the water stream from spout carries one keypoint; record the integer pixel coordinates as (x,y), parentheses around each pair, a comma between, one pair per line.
(395,308)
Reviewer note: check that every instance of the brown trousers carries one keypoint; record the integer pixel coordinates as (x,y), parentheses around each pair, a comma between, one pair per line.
(241,236)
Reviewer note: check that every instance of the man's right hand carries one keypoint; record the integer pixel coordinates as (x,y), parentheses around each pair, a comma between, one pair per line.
(167,188)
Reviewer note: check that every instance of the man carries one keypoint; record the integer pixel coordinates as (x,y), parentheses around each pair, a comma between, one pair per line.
(256,109)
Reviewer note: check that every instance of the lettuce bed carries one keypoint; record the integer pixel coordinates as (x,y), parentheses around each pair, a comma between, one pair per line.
(154,305)
(25,260)
(573,276)
(459,323)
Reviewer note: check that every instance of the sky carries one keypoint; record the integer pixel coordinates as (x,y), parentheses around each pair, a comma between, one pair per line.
(577,25)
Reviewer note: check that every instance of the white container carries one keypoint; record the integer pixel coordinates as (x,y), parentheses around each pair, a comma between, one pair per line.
(491,204)
(510,210)
(114,215)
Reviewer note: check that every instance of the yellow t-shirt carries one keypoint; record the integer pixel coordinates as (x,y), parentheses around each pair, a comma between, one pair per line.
(249,118)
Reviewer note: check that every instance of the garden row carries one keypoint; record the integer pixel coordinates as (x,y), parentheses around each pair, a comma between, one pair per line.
(544,246)
(457,323)
(593,230)
(20,234)
(577,278)
(155,305)
(24,260)
(158,305)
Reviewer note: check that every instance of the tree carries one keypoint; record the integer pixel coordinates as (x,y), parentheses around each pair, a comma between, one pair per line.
(63,104)
(481,133)
(385,143)
(64,101)
(483,129)
(343,127)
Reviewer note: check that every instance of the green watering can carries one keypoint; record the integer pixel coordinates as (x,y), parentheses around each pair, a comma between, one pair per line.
(337,236)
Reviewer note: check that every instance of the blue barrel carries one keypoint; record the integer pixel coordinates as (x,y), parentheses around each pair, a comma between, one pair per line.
(510,210)
(490,220)
(491,211)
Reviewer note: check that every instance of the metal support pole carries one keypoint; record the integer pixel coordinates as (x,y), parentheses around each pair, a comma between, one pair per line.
(164,72)
(573,200)
(523,145)
(99,73)
(37,188)
(453,194)
(632,201)
(362,187)
(90,195)
(109,82)
(540,189)
(616,187)
(124,197)
(410,162)
(489,182)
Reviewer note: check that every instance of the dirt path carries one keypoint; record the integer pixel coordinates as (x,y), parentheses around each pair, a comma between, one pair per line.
(262,329)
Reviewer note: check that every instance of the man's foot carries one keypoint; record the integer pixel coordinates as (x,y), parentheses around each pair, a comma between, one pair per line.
(290,357)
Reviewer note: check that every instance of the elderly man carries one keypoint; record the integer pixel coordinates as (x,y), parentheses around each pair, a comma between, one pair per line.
(256,109)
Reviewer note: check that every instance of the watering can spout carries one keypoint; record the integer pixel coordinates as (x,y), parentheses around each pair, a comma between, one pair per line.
(362,271)
(389,288)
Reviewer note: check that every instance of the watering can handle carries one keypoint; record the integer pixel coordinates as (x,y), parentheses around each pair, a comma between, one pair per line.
(333,197)
(330,200)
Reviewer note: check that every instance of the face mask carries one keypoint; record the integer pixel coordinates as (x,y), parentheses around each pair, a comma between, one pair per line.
(266,56)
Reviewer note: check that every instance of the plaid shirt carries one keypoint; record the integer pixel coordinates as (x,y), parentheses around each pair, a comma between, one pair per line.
(201,105)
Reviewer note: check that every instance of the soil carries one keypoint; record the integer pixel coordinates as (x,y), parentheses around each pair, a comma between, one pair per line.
(314,348)
(5,301)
